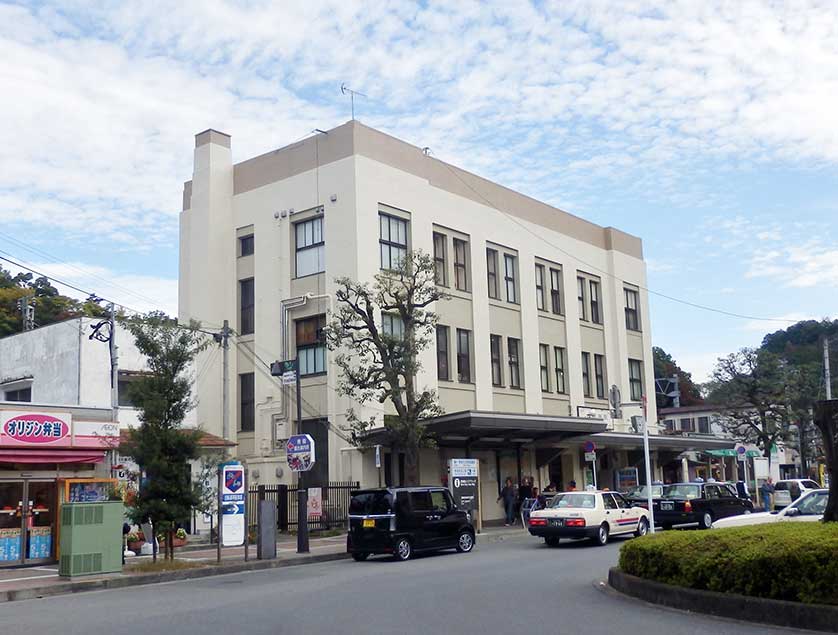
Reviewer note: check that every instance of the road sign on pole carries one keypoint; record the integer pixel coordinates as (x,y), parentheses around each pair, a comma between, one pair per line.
(300,448)
(589,446)
(233,492)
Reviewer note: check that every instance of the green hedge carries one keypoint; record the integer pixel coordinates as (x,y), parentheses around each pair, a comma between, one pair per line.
(784,561)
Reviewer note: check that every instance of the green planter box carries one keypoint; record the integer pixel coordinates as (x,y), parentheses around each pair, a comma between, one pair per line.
(91,538)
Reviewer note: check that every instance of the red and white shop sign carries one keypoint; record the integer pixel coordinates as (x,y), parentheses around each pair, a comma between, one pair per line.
(31,428)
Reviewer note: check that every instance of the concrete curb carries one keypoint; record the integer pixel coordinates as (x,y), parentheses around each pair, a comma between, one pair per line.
(815,617)
(142,579)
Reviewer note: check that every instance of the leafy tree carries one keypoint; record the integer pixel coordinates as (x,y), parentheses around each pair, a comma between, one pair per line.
(666,366)
(379,364)
(160,446)
(50,305)
(752,385)
(826,418)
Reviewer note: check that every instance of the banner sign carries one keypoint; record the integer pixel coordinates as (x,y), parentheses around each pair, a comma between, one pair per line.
(315,502)
(30,428)
(233,492)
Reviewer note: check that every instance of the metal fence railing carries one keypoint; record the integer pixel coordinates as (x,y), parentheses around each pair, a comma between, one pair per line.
(336,498)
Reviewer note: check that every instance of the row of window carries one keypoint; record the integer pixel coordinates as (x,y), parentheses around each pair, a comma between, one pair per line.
(688,424)
(512,368)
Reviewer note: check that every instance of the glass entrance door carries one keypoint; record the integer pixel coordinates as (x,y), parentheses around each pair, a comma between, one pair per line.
(40,520)
(11,522)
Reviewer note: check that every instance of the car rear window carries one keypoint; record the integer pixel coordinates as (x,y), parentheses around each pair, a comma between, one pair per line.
(682,491)
(573,499)
(367,503)
(810,485)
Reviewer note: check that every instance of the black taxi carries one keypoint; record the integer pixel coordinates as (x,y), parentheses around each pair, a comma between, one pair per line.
(402,521)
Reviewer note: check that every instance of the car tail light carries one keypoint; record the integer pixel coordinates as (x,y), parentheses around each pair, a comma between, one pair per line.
(574,522)
(538,522)
(688,506)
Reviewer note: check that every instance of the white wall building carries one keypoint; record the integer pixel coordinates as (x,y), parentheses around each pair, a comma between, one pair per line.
(548,310)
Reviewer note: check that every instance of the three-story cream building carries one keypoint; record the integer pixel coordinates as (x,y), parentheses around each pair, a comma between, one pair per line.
(548,311)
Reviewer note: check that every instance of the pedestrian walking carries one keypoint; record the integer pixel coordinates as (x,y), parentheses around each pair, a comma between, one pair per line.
(507,495)
(767,490)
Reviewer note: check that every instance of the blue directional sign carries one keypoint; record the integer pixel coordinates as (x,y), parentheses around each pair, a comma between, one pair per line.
(233,491)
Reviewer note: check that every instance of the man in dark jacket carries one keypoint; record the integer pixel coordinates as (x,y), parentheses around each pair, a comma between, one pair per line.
(507,495)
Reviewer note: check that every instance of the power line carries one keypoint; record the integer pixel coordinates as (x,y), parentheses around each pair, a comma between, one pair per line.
(88,274)
(608,273)
(90,294)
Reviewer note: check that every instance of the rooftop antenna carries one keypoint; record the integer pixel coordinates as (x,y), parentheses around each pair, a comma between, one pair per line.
(345,89)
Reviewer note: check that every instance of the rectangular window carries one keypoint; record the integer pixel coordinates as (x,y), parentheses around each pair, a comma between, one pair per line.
(246,245)
(311,250)
(632,314)
(392,241)
(442,370)
(440,265)
(583,312)
(704,425)
(686,425)
(492,273)
(461,265)
(513,346)
(509,277)
(392,326)
(539,287)
(246,306)
(556,291)
(596,314)
(20,394)
(544,363)
(247,402)
(669,425)
(636,379)
(497,369)
(586,374)
(311,345)
(559,356)
(599,374)
(463,356)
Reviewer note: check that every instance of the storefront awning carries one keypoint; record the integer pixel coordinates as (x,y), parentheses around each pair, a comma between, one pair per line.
(50,456)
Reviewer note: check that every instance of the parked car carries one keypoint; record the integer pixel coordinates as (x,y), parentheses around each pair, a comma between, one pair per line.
(405,520)
(594,515)
(808,508)
(787,490)
(698,504)
(639,495)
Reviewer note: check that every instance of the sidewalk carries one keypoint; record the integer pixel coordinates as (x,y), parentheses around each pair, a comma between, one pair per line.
(41,581)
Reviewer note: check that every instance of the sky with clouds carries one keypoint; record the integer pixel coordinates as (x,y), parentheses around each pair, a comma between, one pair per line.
(709,129)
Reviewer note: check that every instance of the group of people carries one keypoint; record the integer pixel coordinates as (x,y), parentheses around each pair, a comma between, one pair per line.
(513,497)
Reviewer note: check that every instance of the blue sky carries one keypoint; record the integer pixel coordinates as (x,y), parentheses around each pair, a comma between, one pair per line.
(710,130)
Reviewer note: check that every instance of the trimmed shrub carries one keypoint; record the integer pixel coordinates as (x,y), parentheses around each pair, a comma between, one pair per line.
(783,561)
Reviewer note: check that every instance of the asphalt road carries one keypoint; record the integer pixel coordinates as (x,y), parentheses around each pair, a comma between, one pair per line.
(515,586)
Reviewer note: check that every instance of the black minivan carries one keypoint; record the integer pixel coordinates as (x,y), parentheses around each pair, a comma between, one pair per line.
(404,520)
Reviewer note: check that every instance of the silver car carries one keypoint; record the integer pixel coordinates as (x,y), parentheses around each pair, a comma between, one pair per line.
(787,490)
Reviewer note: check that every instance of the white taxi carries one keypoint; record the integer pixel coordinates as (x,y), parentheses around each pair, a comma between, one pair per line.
(594,515)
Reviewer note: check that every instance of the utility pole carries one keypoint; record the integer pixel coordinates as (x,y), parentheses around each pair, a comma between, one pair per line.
(114,351)
(826,375)
(27,313)
(223,338)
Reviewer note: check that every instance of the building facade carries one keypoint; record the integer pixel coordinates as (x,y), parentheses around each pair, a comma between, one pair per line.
(547,313)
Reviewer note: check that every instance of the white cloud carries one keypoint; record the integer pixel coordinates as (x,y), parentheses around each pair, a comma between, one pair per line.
(699,364)
(801,265)
(555,99)
(135,292)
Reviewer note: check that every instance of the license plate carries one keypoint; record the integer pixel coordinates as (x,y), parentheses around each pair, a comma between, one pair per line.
(668,506)
(369,523)
(556,522)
